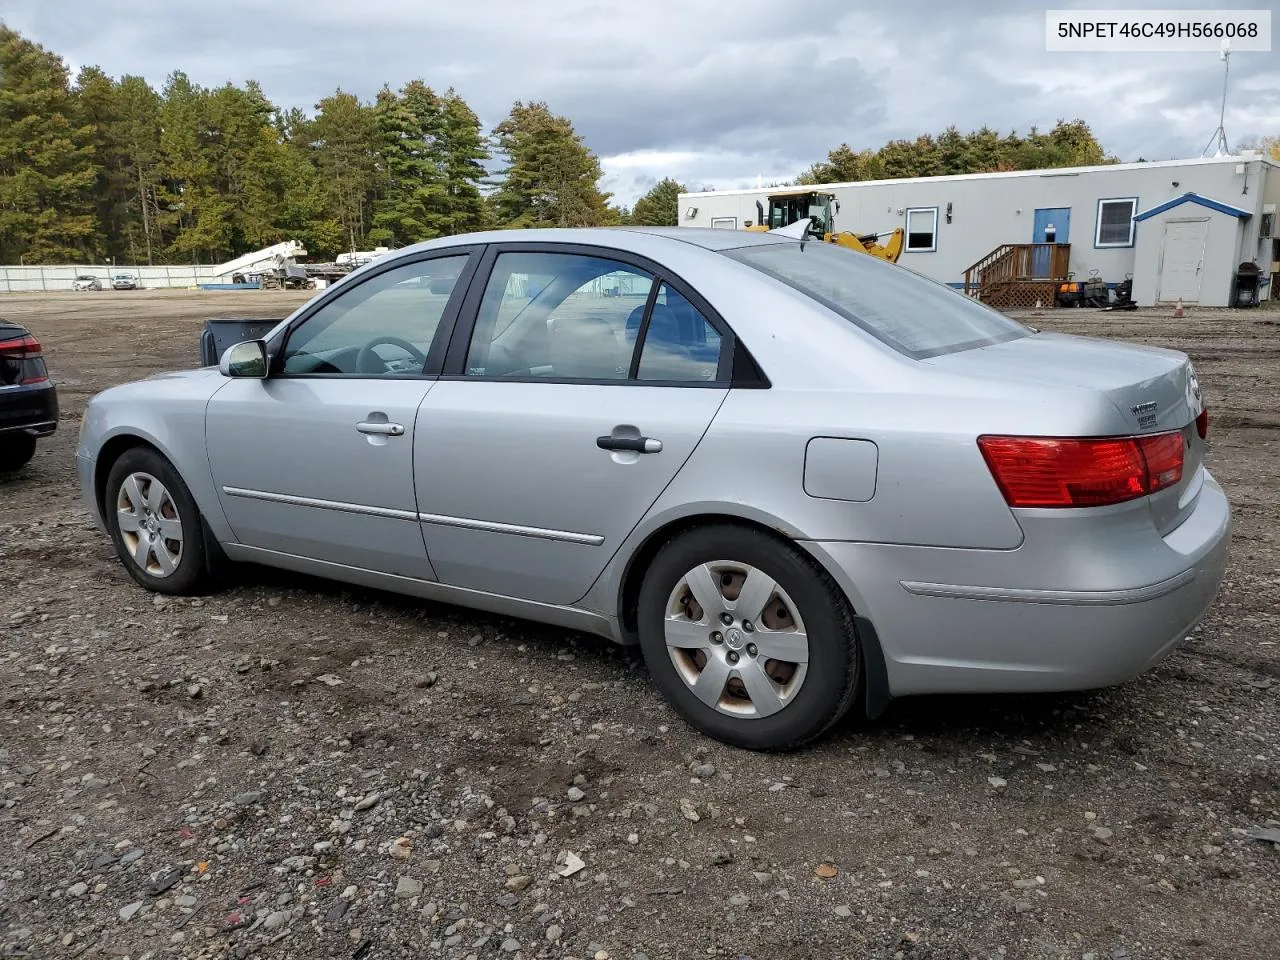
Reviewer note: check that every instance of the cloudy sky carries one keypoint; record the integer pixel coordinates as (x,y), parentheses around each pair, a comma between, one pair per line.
(713,92)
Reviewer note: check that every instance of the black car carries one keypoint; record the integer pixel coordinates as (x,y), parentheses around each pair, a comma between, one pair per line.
(28,399)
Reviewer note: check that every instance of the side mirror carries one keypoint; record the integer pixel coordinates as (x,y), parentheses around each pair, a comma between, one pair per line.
(247,359)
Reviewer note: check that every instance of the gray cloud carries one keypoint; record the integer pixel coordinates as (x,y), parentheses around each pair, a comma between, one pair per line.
(714,92)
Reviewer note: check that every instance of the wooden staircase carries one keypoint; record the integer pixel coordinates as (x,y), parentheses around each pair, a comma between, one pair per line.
(1016,275)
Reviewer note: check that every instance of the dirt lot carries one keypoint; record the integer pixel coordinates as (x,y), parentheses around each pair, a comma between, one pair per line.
(291,768)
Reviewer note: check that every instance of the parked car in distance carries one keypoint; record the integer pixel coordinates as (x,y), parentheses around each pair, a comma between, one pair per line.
(797,476)
(28,398)
(86,283)
(124,281)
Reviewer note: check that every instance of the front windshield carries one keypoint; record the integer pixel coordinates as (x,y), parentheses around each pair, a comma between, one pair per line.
(912,313)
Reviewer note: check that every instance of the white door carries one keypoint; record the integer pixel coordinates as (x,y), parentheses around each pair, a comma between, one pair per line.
(1182,260)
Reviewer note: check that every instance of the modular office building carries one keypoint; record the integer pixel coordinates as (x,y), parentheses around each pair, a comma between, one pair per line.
(1180,228)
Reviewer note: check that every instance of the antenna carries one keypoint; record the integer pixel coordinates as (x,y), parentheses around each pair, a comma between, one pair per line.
(1220,135)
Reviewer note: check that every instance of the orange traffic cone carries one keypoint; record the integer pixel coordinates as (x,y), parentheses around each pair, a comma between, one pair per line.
(1177,311)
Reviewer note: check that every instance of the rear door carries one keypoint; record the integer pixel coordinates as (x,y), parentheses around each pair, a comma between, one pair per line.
(578,383)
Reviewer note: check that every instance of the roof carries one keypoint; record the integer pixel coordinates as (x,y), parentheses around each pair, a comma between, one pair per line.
(1007,174)
(652,241)
(711,239)
(1190,197)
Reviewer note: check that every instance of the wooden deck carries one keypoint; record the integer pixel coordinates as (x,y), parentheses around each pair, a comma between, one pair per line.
(1018,275)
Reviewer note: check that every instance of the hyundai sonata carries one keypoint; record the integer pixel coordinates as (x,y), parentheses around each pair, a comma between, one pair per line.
(799,477)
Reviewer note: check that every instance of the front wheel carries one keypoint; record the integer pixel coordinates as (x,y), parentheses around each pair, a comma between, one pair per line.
(154,523)
(748,638)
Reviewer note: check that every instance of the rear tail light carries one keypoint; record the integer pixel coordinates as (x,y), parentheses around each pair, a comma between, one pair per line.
(1202,424)
(1066,472)
(26,357)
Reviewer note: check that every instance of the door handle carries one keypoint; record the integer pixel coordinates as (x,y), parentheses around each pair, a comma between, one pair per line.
(380,429)
(635,444)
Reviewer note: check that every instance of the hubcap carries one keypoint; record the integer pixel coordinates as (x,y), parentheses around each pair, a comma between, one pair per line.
(150,526)
(710,615)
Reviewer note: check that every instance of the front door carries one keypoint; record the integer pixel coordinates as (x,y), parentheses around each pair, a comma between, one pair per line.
(1051,225)
(584,386)
(1182,260)
(317,459)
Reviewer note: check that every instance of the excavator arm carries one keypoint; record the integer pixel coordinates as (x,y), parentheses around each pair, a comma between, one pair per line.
(870,243)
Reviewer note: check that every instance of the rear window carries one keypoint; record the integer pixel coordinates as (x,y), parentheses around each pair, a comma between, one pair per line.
(913,314)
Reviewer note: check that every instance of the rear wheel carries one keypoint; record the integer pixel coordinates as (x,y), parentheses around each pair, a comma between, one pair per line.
(16,451)
(154,523)
(748,638)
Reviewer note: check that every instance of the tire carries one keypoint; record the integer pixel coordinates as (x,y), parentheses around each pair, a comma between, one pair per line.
(805,701)
(160,568)
(16,451)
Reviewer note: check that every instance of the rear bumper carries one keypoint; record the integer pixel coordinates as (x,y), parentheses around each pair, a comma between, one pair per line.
(968,621)
(29,409)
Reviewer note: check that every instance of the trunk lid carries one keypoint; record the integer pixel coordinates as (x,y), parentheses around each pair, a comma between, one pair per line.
(1154,390)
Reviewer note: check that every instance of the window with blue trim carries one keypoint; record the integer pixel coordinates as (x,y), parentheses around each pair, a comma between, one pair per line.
(1115,222)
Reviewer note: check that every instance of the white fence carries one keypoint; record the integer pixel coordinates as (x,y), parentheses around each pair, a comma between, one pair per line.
(23,279)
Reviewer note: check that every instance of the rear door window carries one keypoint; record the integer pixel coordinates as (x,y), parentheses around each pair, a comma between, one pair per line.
(558,316)
(680,345)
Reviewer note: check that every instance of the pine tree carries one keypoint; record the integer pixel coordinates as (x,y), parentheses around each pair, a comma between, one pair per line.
(302,213)
(189,198)
(411,181)
(343,137)
(138,140)
(47,171)
(551,178)
(660,207)
(463,151)
(94,97)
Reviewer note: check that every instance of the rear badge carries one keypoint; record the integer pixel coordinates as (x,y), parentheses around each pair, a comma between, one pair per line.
(1146,413)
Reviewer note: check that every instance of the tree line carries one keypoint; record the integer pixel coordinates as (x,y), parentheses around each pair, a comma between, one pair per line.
(94,167)
(1069,144)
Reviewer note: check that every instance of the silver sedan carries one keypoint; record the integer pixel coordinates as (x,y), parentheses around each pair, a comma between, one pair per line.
(800,478)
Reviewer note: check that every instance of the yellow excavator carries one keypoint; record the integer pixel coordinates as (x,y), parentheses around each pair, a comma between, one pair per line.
(786,208)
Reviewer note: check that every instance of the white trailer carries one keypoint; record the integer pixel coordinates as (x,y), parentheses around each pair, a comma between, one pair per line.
(1108,220)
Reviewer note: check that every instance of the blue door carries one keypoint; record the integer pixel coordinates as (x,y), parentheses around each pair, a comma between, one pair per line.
(1052,225)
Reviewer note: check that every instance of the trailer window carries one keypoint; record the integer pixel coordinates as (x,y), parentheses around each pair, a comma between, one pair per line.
(1115,222)
(912,313)
(922,229)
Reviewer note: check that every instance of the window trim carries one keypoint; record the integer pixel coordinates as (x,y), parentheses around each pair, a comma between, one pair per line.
(906,226)
(460,337)
(1097,223)
(435,353)
(732,220)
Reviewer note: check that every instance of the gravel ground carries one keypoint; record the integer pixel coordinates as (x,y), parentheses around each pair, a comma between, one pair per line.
(293,768)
